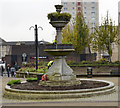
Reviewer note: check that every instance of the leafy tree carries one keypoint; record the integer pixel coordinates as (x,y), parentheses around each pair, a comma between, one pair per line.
(80,34)
(105,36)
(67,34)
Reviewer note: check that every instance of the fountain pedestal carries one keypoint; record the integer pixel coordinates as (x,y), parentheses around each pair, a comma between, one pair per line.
(60,73)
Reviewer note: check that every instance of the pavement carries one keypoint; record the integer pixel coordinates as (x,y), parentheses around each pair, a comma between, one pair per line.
(102,100)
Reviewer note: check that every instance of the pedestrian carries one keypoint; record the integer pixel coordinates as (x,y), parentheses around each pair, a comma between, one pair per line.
(2,70)
(16,66)
(54,42)
(49,64)
(8,70)
(12,70)
(44,77)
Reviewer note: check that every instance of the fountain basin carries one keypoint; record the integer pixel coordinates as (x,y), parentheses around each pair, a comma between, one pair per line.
(59,94)
(58,24)
(59,52)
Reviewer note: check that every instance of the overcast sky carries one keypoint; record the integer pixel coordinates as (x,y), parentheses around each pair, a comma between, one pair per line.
(17,16)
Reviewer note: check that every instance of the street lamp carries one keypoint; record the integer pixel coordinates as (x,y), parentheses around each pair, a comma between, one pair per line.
(36,42)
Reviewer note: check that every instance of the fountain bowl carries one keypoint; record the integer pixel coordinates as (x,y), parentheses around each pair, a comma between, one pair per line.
(58,24)
(59,52)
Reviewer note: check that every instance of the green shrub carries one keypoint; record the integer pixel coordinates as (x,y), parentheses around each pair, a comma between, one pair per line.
(31,79)
(84,62)
(42,63)
(117,62)
(33,64)
(32,70)
(67,43)
(59,16)
(72,63)
(42,70)
(20,70)
(14,82)
(102,61)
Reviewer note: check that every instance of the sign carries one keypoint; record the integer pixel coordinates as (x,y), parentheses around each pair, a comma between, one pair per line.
(42,57)
(24,57)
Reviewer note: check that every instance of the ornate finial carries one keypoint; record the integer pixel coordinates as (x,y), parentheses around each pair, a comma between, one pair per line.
(58,8)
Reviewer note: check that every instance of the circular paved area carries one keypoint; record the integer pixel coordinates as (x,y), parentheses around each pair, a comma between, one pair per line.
(103,100)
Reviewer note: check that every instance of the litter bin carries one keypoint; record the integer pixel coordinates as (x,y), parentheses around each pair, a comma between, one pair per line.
(89,72)
(39,77)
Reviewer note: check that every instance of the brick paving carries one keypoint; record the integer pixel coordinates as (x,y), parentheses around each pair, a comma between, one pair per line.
(103,100)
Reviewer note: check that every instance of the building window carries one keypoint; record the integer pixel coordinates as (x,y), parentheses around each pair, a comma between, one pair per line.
(93,8)
(78,3)
(93,2)
(65,9)
(85,13)
(85,8)
(92,14)
(73,3)
(65,3)
(73,8)
(93,24)
(85,3)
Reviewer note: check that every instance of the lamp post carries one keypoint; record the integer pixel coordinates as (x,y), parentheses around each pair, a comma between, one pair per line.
(36,43)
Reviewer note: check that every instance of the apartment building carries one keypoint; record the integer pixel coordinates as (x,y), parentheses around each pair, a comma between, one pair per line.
(90,9)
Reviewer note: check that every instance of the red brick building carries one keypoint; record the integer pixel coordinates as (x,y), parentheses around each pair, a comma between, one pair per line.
(17,51)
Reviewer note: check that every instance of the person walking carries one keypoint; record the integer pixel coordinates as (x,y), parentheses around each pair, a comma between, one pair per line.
(12,70)
(8,70)
(2,70)
(16,66)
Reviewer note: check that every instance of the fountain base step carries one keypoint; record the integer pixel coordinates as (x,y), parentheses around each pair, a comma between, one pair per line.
(59,94)
(59,77)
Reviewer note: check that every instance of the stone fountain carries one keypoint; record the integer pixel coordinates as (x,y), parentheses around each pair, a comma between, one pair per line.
(60,73)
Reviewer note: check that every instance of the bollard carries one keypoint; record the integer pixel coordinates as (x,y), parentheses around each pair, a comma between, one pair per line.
(89,72)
